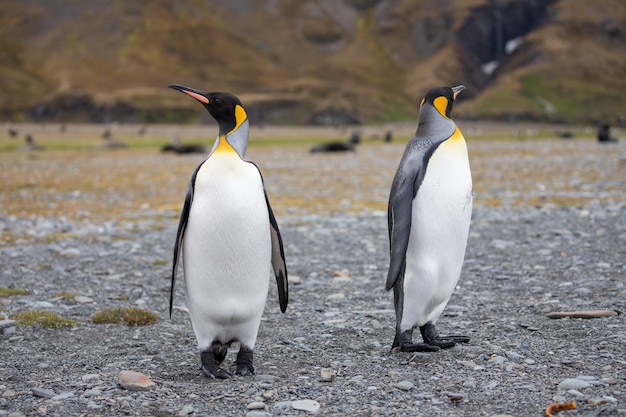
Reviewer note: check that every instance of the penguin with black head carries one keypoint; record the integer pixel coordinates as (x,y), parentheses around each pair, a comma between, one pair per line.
(229,241)
(429,212)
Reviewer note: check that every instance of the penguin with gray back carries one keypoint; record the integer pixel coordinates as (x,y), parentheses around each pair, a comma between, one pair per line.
(229,241)
(429,213)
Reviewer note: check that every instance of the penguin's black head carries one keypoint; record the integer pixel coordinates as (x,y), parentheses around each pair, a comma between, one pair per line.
(225,108)
(442,98)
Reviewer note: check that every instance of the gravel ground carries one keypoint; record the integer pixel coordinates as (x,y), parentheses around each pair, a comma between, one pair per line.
(522,262)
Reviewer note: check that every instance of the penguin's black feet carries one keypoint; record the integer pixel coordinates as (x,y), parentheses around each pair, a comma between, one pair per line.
(404,342)
(245,358)
(430,336)
(211,360)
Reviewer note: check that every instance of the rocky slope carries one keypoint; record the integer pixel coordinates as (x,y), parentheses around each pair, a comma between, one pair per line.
(314,61)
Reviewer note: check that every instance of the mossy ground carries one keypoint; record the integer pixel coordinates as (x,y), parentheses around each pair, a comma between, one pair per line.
(131,316)
(46,319)
(6,292)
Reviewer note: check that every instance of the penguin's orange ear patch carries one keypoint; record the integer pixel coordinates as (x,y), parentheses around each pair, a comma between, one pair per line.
(441,104)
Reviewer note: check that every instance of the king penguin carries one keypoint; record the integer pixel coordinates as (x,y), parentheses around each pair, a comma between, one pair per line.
(429,213)
(229,241)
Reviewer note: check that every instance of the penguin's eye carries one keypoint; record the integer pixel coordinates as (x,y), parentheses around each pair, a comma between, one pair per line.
(217,100)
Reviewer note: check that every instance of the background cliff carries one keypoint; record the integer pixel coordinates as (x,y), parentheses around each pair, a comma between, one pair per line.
(312,61)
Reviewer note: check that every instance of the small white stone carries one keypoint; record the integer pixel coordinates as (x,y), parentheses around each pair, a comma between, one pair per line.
(310,406)
(256,405)
(405,385)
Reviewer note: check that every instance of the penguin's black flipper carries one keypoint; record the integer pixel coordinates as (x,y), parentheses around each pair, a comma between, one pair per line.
(180,234)
(278,254)
(405,184)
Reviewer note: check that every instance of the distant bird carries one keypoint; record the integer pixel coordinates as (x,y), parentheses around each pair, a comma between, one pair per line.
(388,137)
(179,148)
(229,241)
(30,144)
(142,130)
(604,134)
(430,207)
(13,132)
(355,137)
(107,133)
(349,145)
(333,147)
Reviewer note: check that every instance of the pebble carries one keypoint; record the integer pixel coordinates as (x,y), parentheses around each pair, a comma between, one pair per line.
(186,410)
(256,405)
(327,375)
(266,378)
(573,383)
(135,381)
(6,323)
(405,385)
(256,413)
(43,393)
(310,406)
(92,393)
(42,305)
(63,396)
(81,299)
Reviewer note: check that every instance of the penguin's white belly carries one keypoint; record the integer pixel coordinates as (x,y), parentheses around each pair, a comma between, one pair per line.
(440,224)
(227,252)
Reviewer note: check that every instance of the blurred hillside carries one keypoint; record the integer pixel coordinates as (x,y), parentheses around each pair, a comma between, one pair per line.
(312,61)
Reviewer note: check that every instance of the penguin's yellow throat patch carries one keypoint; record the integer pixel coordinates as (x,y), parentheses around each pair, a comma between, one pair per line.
(224,147)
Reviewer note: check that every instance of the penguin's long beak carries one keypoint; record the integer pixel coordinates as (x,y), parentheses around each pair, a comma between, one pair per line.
(456,90)
(197,94)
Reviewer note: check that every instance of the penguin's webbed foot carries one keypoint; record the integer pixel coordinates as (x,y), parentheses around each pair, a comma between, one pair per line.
(211,360)
(430,336)
(216,372)
(404,342)
(245,359)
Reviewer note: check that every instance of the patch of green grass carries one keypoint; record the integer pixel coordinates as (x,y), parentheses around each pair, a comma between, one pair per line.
(46,319)
(160,262)
(132,316)
(7,292)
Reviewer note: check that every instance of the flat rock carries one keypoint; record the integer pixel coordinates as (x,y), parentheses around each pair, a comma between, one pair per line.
(43,393)
(256,405)
(582,314)
(135,381)
(6,323)
(310,406)
(573,383)
(81,299)
(63,396)
(266,378)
